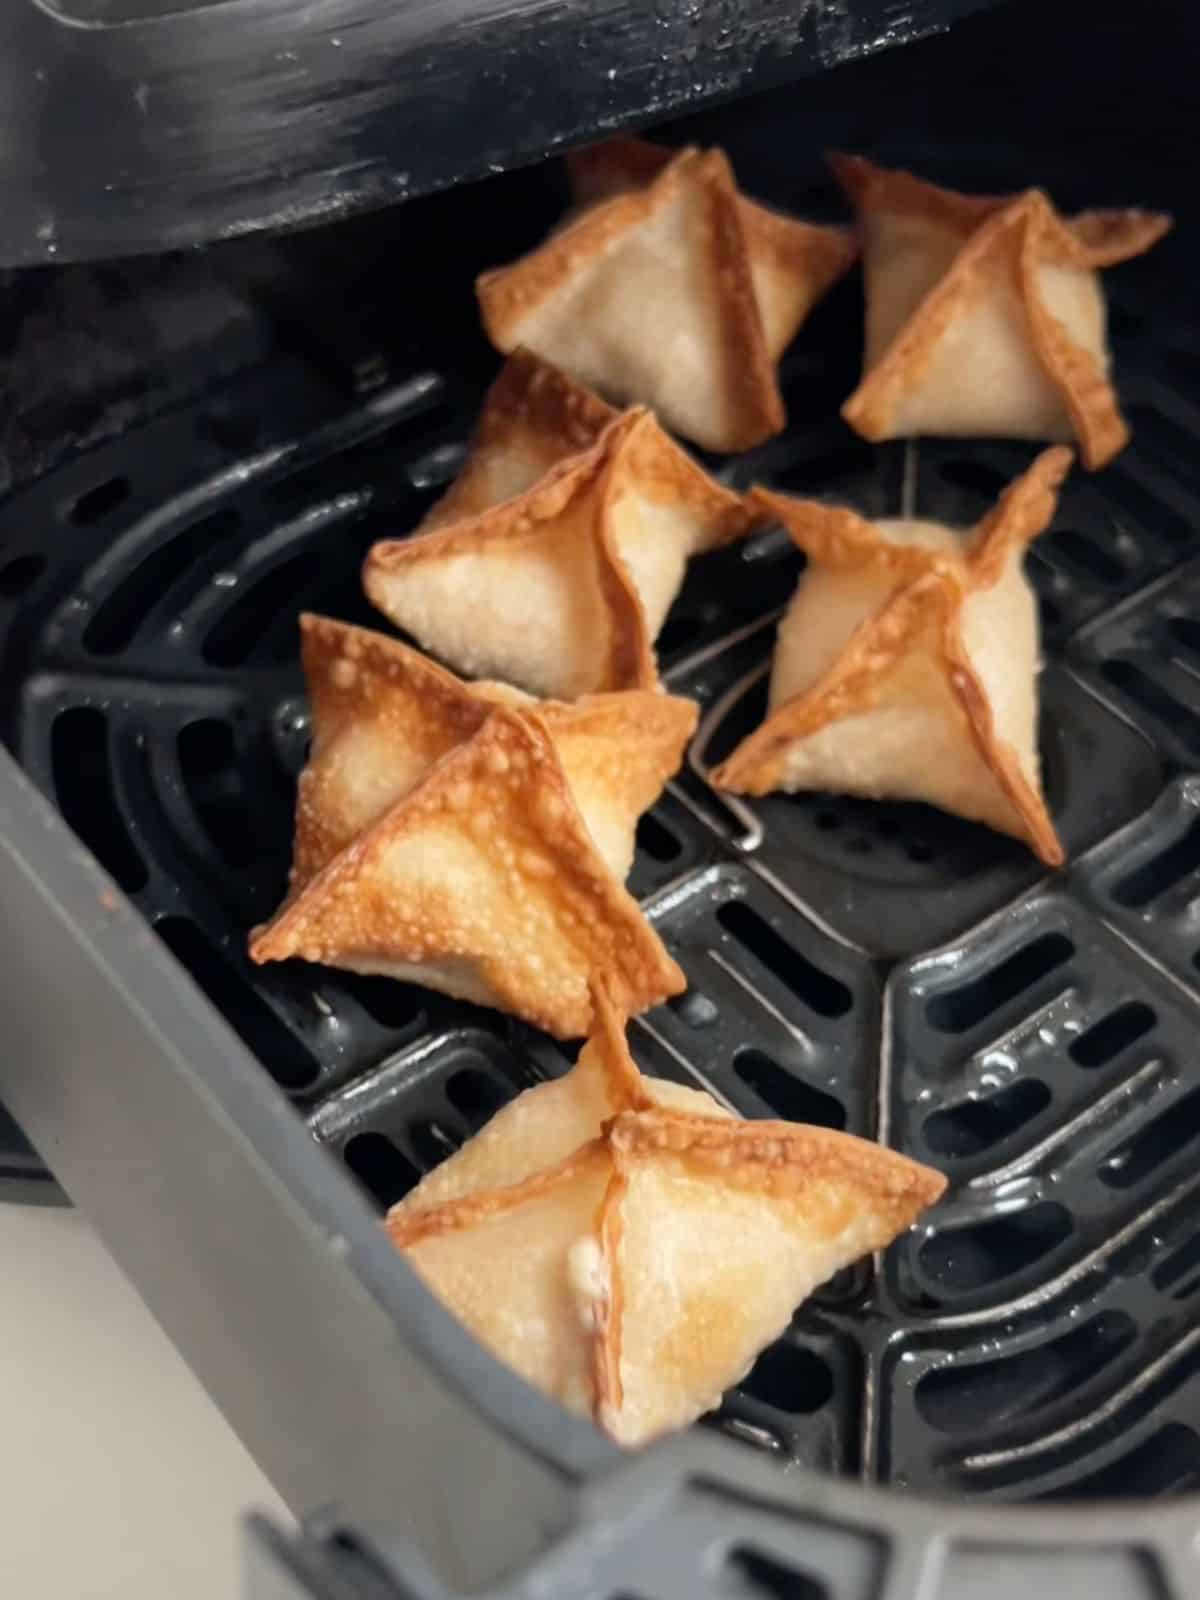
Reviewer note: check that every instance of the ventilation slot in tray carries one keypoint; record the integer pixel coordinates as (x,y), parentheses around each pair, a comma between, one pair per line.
(1161,872)
(818,990)
(1168,1462)
(959,1009)
(1164,437)
(975,477)
(268,608)
(1116,1032)
(1155,1144)
(962,1261)
(657,840)
(1185,632)
(383,1170)
(787,1095)
(972,1126)
(790,1378)
(817,473)
(390,1004)
(1084,555)
(83,785)
(208,763)
(432,1143)
(981,1397)
(20,574)
(1150,510)
(95,504)
(476,1096)
(1150,695)
(1179,1274)
(758,1577)
(681,631)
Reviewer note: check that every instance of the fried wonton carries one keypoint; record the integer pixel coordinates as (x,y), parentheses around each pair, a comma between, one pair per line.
(469,839)
(905,666)
(630,1247)
(669,289)
(985,316)
(562,588)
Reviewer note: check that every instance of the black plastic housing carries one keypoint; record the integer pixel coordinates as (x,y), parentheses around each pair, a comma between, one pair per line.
(147,125)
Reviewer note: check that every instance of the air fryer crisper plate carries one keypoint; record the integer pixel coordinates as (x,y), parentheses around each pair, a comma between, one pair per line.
(880,968)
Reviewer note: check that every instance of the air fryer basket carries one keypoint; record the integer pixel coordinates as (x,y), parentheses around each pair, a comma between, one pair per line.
(884,969)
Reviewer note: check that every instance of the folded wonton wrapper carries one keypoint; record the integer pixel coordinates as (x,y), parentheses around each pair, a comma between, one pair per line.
(985,317)
(471,840)
(670,290)
(533,417)
(906,664)
(630,1247)
(562,587)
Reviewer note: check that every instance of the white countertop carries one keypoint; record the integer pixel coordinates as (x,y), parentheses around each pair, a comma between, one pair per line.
(121,1478)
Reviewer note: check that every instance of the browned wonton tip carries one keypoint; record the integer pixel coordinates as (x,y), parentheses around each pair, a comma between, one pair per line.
(822,254)
(1023,511)
(764,272)
(817,1200)
(467,838)
(924,611)
(1095,238)
(533,417)
(1024,234)
(535,394)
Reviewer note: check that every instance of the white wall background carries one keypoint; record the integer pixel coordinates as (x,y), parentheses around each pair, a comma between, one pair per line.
(119,1476)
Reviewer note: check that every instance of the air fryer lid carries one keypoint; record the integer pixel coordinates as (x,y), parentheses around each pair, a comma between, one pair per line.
(135,125)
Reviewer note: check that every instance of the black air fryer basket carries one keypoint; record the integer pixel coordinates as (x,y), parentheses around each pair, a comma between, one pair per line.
(199,446)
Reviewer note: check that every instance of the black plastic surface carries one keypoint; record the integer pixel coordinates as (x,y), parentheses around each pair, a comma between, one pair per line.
(222,118)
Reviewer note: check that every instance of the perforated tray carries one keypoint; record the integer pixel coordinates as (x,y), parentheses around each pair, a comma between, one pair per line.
(1036,1057)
